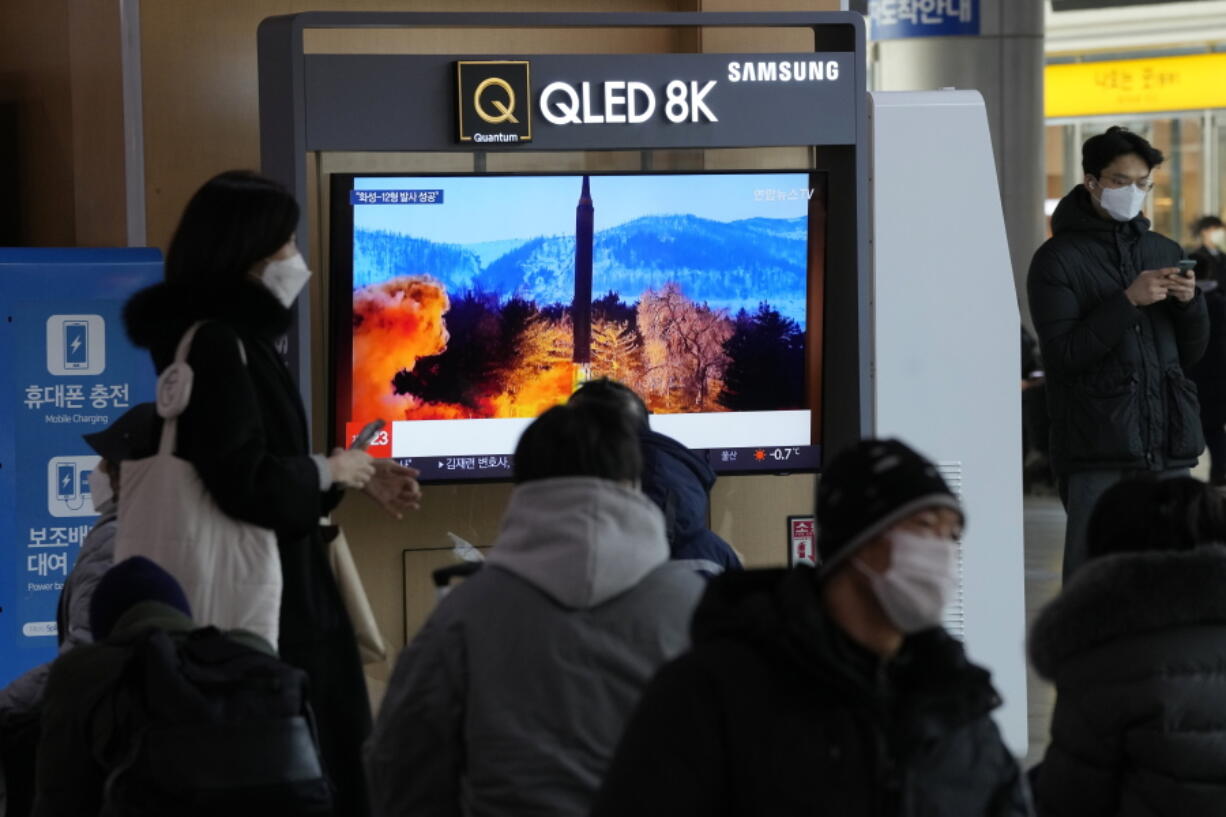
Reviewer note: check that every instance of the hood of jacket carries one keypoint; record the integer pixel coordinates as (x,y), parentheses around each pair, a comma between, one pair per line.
(157,316)
(580,540)
(1076,214)
(1128,594)
(678,481)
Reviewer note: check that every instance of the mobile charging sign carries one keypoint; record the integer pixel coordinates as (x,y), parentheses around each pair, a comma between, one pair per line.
(66,369)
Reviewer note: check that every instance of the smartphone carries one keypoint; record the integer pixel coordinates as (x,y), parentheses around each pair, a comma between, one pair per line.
(66,485)
(1187,267)
(76,345)
(367,434)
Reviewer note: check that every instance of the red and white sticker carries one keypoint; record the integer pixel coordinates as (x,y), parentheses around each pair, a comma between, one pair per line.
(802,541)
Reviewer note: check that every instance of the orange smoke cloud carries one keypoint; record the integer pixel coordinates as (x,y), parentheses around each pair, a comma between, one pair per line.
(395,323)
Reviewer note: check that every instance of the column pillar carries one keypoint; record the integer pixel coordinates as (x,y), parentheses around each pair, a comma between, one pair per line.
(1005,64)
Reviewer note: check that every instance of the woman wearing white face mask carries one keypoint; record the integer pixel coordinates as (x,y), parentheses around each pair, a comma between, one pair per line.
(831,690)
(233,266)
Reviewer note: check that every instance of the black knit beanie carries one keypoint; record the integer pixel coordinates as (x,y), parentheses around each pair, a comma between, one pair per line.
(127,584)
(867,489)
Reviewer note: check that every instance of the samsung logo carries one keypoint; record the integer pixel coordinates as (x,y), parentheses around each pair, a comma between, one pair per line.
(783,71)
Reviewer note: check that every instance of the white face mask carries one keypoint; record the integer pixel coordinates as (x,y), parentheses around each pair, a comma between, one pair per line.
(285,278)
(1122,203)
(1218,238)
(100,489)
(921,577)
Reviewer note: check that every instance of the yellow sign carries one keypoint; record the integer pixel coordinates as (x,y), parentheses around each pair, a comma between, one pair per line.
(1136,86)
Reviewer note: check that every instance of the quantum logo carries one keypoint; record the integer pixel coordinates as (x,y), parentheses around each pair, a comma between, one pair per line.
(495,101)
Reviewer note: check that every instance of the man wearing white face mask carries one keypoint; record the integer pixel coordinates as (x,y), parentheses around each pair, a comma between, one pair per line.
(1119,324)
(831,690)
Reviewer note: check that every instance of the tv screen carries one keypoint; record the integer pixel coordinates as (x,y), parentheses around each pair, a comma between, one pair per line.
(464,306)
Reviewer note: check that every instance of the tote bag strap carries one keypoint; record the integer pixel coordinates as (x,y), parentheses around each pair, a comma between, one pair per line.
(174,388)
(174,391)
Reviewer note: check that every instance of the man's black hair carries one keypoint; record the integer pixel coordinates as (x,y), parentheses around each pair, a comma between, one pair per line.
(1103,149)
(237,219)
(1156,514)
(616,394)
(584,439)
(1205,223)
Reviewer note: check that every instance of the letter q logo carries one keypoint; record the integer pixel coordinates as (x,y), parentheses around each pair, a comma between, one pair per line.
(494,100)
(506,110)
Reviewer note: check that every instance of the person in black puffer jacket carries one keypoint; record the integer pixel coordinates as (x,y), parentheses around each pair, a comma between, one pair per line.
(1209,373)
(1136,646)
(831,690)
(1210,250)
(233,265)
(1118,326)
(676,479)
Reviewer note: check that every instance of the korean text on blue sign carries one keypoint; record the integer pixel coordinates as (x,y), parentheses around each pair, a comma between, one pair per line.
(395,196)
(66,369)
(896,19)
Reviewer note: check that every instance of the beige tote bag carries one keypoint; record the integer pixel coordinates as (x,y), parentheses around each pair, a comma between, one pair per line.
(230,570)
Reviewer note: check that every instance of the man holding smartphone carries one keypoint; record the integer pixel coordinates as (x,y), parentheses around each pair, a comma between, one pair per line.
(1119,321)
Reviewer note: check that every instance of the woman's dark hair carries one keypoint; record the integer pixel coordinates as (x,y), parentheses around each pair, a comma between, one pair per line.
(579,440)
(1156,514)
(1205,223)
(1103,149)
(615,394)
(237,219)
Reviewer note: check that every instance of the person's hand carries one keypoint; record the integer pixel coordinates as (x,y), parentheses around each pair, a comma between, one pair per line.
(351,468)
(1180,285)
(394,487)
(1150,287)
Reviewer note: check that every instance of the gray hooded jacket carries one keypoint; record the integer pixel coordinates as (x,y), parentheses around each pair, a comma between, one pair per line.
(513,696)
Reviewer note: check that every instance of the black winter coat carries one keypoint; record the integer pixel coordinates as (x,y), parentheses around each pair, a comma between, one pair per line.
(1210,264)
(775,712)
(1209,373)
(1136,646)
(1116,388)
(679,482)
(245,432)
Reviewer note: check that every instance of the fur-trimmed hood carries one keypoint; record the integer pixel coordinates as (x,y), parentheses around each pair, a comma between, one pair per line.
(157,316)
(1129,594)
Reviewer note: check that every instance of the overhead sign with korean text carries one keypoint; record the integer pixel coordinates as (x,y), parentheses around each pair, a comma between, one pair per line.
(590,102)
(899,19)
(1189,83)
(66,369)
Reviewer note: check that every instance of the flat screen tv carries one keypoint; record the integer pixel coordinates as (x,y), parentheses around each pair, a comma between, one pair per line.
(464,306)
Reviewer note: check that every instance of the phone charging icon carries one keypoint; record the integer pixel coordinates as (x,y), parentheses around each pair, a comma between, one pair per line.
(68,486)
(76,344)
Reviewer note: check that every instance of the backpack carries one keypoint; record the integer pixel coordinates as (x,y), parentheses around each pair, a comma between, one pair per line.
(217,728)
